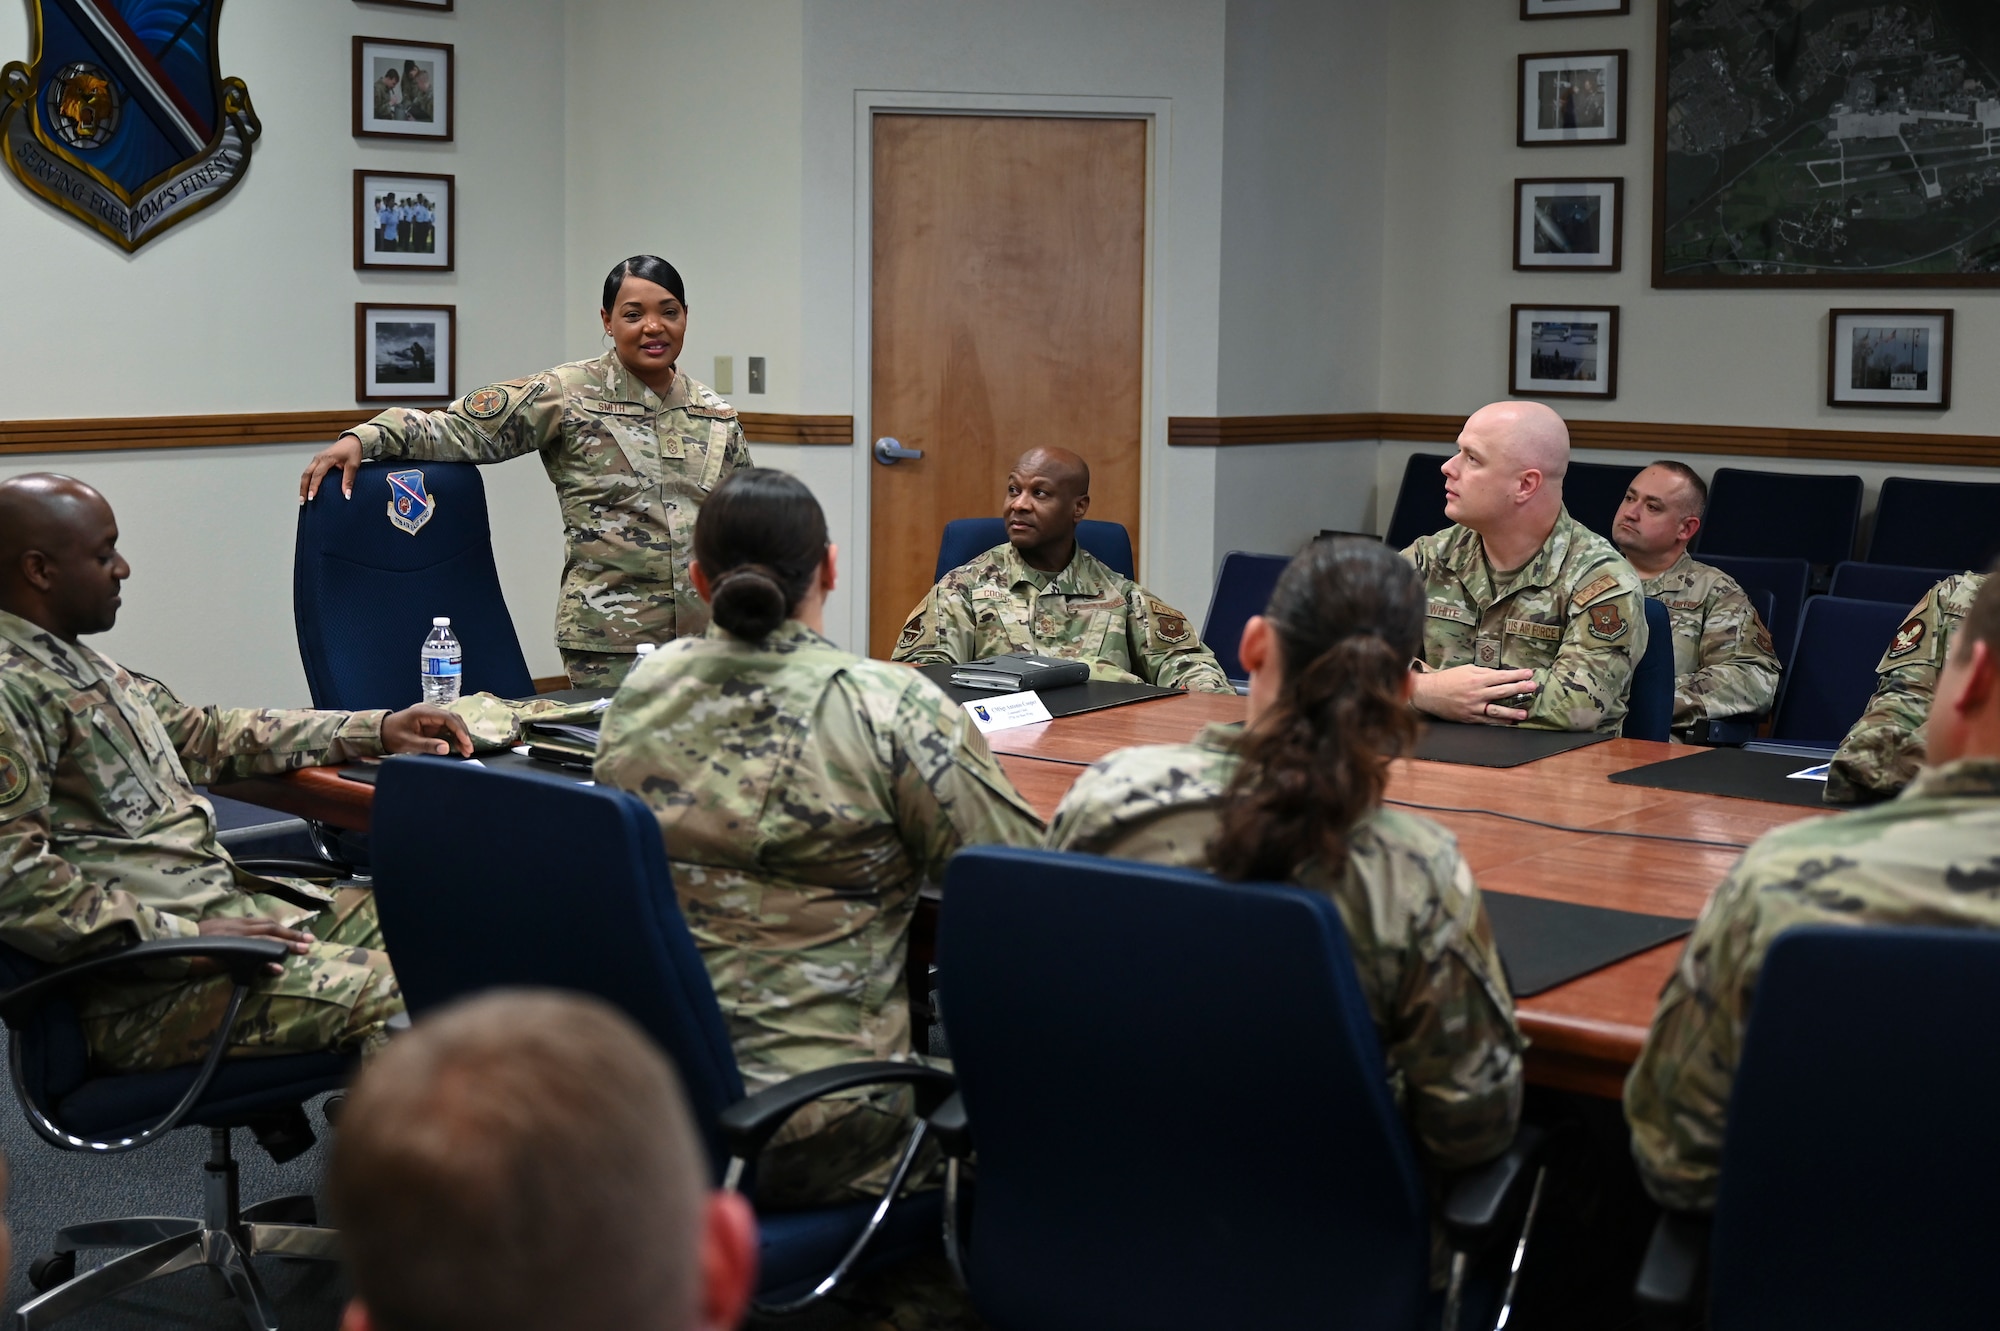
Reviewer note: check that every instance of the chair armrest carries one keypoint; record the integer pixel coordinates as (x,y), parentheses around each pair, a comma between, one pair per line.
(950,1127)
(752,1121)
(243,958)
(1481,1197)
(1670,1275)
(291,868)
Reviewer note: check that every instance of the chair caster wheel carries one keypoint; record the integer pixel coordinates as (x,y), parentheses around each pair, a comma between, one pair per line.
(56,1268)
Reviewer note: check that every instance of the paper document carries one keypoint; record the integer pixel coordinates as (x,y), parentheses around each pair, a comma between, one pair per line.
(1811,773)
(1005,711)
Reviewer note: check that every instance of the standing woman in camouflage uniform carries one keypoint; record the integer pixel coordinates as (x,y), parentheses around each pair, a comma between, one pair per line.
(1297,795)
(805,795)
(633,446)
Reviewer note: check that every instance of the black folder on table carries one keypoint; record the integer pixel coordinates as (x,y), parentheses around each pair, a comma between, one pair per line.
(1548,943)
(1071,700)
(1495,746)
(1738,773)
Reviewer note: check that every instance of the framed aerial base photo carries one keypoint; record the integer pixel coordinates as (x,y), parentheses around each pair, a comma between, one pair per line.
(405,353)
(1889,358)
(1564,351)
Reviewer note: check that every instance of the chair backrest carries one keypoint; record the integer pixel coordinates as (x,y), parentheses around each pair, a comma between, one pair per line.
(364,590)
(1649,711)
(1889,582)
(1936,524)
(1785,579)
(1178,1102)
(1858,1163)
(55,1058)
(488,878)
(1242,589)
(1781,514)
(1420,502)
(1832,674)
(1593,492)
(965,539)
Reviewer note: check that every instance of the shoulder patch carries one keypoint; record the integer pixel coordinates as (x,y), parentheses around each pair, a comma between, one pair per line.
(486,403)
(1595,588)
(1606,622)
(912,631)
(1168,626)
(13,776)
(1908,639)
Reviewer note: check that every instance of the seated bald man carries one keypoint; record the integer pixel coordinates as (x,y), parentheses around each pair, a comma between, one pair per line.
(1532,618)
(104,842)
(1043,592)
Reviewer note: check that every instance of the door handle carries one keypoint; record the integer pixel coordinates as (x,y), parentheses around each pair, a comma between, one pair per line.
(889,451)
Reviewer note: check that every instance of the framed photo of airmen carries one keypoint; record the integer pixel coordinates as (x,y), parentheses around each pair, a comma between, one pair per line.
(404,221)
(402,90)
(1572,97)
(1575,224)
(1889,358)
(405,353)
(1563,351)
(1573,8)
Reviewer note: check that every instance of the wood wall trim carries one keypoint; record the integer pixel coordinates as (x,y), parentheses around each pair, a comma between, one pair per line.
(1960,450)
(97,434)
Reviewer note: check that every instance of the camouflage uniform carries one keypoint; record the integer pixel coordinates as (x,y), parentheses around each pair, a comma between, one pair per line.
(805,795)
(996,604)
(105,843)
(1931,858)
(1886,746)
(630,468)
(1723,661)
(1572,614)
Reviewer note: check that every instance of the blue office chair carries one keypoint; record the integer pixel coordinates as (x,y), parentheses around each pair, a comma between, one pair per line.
(1649,711)
(1419,507)
(1158,1145)
(1785,579)
(75,1107)
(1833,672)
(364,590)
(1242,589)
(1889,582)
(965,539)
(1594,491)
(1781,515)
(1857,1164)
(545,881)
(1936,524)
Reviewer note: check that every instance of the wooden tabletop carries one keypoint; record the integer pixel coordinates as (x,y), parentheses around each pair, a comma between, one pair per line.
(1585,1034)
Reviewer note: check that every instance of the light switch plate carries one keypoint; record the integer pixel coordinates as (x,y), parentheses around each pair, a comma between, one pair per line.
(725,375)
(756,374)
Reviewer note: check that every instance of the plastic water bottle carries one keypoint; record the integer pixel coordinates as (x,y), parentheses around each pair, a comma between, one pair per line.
(444,663)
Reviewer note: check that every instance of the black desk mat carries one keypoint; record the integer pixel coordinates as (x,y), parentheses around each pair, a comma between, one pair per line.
(1548,943)
(505,760)
(1737,773)
(1072,700)
(1495,746)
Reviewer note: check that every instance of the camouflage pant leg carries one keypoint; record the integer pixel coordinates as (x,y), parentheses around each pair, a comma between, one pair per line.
(842,1150)
(597,670)
(918,1295)
(339,995)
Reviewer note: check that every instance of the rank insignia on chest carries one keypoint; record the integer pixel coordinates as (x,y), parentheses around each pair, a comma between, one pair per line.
(410,505)
(13,776)
(1606,622)
(1488,654)
(1908,639)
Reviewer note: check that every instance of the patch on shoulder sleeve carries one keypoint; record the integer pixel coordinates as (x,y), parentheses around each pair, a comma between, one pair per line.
(1168,626)
(1908,639)
(1594,589)
(912,631)
(13,775)
(1606,622)
(486,403)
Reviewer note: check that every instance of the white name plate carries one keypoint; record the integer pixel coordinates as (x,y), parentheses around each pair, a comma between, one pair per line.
(1004,711)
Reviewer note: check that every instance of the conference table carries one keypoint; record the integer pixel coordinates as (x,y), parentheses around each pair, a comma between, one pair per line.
(1584,1034)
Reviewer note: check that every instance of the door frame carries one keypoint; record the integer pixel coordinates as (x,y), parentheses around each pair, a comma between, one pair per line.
(868,103)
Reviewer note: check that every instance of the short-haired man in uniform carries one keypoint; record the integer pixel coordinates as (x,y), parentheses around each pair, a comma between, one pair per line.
(1930,857)
(1043,592)
(1886,746)
(1533,619)
(105,842)
(1724,665)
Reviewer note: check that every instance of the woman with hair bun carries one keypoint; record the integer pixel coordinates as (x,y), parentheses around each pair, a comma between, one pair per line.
(1296,795)
(805,794)
(633,446)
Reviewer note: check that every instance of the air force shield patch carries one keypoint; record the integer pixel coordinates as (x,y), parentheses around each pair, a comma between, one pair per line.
(122,118)
(410,505)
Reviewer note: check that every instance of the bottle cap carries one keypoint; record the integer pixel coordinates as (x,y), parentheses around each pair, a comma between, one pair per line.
(645,649)
(441,622)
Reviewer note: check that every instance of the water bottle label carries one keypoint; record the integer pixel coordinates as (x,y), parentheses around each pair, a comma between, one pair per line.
(438,665)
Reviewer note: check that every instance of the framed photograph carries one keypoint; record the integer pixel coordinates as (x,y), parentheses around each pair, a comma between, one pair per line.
(405,353)
(405,221)
(1562,351)
(402,90)
(1572,97)
(1889,358)
(1573,8)
(437,6)
(1570,224)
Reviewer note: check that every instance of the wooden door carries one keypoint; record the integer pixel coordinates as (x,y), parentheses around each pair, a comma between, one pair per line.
(1007,311)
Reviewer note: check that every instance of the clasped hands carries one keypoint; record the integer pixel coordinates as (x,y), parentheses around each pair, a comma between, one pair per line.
(1472,694)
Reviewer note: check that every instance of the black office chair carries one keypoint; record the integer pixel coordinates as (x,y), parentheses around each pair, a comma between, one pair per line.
(1936,524)
(1178,1106)
(965,539)
(1833,674)
(1786,580)
(1889,582)
(1594,491)
(364,588)
(1649,708)
(1420,502)
(1858,1169)
(76,1108)
(1781,515)
(546,881)
(1242,589)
